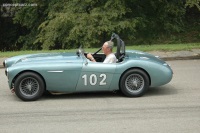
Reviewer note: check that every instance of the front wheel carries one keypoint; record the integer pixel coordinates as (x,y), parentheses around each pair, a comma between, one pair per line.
(134,83)
(29,86)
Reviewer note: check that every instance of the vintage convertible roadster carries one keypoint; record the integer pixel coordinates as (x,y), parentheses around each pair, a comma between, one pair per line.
(29,76)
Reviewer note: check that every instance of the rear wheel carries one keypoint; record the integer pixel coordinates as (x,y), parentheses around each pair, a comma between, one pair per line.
(134,83)
(29,86)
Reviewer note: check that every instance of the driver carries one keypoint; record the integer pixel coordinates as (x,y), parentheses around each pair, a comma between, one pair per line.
(107,50)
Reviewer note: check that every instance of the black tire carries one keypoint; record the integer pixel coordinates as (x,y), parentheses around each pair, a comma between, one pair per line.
(134,83)
(29,86)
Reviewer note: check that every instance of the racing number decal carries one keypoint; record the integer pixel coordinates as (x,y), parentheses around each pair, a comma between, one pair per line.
(103,76)
(93,79)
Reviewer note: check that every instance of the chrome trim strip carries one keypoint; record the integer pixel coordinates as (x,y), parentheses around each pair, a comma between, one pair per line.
(55,71)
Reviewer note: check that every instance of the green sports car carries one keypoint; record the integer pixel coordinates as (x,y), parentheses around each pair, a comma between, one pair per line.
(29,76)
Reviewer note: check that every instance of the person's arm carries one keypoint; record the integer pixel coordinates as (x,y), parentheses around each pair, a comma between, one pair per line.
(90,57)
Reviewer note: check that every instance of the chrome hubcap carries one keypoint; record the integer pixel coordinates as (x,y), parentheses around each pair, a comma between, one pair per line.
(29,86)
(134,82)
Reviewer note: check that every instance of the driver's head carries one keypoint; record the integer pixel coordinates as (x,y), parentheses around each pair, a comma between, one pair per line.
(107,47)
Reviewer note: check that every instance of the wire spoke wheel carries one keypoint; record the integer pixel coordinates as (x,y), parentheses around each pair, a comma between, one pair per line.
(29,86)
(134,82)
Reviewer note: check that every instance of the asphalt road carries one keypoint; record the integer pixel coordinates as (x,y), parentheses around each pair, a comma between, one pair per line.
(173,108)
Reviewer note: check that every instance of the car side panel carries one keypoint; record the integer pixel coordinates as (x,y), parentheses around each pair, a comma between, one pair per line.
(96,76)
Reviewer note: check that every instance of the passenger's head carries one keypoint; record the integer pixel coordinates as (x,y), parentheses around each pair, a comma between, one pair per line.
(107,47)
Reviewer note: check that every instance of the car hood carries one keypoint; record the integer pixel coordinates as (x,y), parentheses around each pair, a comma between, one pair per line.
(41,58)
(143,56)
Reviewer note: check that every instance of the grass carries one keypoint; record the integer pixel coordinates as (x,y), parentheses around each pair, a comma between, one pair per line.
(146,48)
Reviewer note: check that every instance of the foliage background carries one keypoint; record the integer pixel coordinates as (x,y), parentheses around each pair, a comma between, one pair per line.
(66,24)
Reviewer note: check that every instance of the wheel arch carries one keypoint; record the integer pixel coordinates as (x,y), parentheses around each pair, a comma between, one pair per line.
(139,69)
(13,81)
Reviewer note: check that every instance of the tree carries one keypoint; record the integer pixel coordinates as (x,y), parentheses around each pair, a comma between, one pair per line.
(66,24)
(8,30)
(87,22)
(157,18)
(192,3)
(29,16)
(74,22)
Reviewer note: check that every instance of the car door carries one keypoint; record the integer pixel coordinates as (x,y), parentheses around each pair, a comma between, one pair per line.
(95,76)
